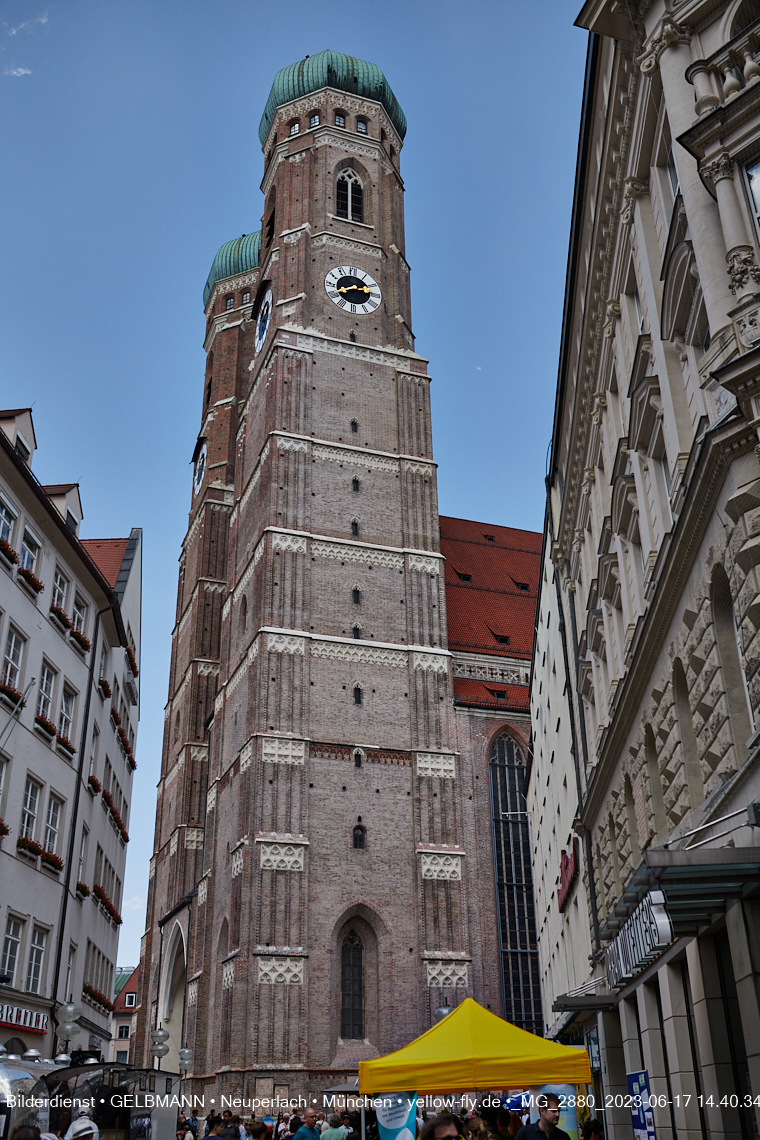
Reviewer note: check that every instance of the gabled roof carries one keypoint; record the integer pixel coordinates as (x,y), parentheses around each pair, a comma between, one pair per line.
(130,987)
(107,554)
(59,488)
(484,598)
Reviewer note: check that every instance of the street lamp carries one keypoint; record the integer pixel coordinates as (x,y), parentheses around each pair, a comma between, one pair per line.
(185,1059)
(159,1048)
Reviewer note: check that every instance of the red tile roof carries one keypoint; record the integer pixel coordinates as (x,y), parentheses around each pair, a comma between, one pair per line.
(483,695)
(490,603)
(120,1005)
(107,554)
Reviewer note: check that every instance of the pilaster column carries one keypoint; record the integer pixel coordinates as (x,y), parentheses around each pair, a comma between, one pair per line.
(678,1043)
(743,926)
(674,57)
(712,1035)
(743,271)
(613,1073)
(654,1058)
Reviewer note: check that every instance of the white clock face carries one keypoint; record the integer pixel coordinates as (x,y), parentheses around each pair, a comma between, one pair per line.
(262,321)
(200,468)
(352,289)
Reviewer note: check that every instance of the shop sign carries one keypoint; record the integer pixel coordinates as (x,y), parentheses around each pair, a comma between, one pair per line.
(645,935)
(29,1019)
(568,873)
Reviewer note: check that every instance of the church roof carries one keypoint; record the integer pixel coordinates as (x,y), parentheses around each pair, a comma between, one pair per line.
(331,69)
(236,256)
(491,586)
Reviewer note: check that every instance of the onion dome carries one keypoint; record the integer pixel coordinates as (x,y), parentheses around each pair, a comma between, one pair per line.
(233,257)
(331,69)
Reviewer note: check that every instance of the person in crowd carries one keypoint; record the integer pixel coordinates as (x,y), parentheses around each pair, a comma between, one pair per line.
(348,1126)
(592,1130)
(215,1126)
(229,1130)
(294,1124)
(192,1121)
(308,1130)
(477,1129)
(25,1132)
(82,1127)
(443,1127)
(547,1124)
(259,1130)
(183,1131)
(334,1130)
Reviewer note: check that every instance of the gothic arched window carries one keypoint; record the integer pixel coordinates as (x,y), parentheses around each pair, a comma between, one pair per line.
(352,987)
(359,837)
(243,613)
(349,200)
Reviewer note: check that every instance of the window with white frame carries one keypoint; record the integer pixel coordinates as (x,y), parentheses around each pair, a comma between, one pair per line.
(30,550)
(29,809)
(53,823)
(11,947)
(70,973)
(122,1056)
(295,128)
(3,766)
(229,303)
(361,126)
(60,589)
(36,955)
(314,119)
(14,651)
(82,855)
(123,1031)
(349,196)
(45,692)
(340,119)
(103,658)
(66,713)
(129,999)
(79,619)
(7,522)
(670,166)
(94,750)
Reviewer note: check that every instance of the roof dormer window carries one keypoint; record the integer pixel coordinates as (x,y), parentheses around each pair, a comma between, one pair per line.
(22,447)
(294,129)
(361,126)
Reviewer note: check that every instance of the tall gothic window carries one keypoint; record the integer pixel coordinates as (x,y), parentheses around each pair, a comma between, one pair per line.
(350,196)
(514,887)
(352,987)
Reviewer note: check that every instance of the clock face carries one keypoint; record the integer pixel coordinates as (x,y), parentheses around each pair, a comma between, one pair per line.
(262,321)
(200,468)
(352,289)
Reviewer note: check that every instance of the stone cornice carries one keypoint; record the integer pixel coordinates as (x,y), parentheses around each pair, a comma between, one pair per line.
(719,450)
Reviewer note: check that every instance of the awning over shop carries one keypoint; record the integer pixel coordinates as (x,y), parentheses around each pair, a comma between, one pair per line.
(474,1049)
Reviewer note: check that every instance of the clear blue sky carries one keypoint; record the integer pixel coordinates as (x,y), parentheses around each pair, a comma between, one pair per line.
(130,153)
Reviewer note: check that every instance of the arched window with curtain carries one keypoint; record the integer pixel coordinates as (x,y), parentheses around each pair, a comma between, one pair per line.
(655,783)
(349,196)
(352,987)
(514,886)
(730,662)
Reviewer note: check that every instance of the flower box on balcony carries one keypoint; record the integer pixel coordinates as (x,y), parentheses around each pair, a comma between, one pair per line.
(83,643)
(83,891)
(94,785)
(106,904)
(10,696)
(131,660)
(64,744)
(131,763)
(115,716)
(7,554)
(28,847)
(105,688)
(96,997)
(29,581)
(51,861)
(59,618)
(4,829)
(45,727)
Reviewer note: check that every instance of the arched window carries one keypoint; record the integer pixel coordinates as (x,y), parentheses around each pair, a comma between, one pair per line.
(730,662)
(614,859)
(692,770)
(354,426)
(355,528)
(357,596)
(243,613)
(631,822)
(359,837)
(514,885)
(358,763)
(176,727)
(746,15)
(357,632)
(352,987)
(357,694)
(354,484)
(349,200)
(655,783)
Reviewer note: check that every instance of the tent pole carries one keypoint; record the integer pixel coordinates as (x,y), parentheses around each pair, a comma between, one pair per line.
(364,1131)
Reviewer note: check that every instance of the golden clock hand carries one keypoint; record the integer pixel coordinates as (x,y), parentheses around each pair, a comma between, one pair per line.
(354,289)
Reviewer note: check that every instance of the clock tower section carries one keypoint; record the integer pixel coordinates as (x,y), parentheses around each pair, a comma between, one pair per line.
(306,907)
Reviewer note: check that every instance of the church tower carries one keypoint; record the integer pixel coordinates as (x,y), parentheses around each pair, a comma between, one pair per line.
(315,833)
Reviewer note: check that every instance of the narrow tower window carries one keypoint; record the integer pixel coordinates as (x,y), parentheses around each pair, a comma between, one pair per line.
(358,764)
(295,128)
(314,120)
(361,126)
(354,484)
(357,695)
(229,303)
(359,836)
(354,426)
(357,596)
(350,196)
(355,528)
(357,632)
(352,987)
(340,119)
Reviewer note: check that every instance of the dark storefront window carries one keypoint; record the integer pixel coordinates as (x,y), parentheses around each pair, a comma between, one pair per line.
(514,887)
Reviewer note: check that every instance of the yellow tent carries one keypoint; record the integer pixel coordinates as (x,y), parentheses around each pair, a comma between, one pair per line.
(474,1049)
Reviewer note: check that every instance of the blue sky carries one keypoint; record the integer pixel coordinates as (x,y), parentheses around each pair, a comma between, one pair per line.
(130,146)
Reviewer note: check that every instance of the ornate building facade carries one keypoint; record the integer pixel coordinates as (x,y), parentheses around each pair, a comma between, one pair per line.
(320,882)
(650,604)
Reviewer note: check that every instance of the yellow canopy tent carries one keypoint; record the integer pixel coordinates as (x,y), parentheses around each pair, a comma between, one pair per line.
(474,1049)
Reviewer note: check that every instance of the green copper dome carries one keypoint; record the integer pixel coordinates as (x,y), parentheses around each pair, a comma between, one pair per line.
(233,257)
(331,69)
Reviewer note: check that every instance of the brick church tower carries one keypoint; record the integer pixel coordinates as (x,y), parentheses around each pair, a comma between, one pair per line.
(321,881)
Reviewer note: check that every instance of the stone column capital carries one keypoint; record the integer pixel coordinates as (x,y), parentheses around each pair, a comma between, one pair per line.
(667,33)
(713,170)
(633,188)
